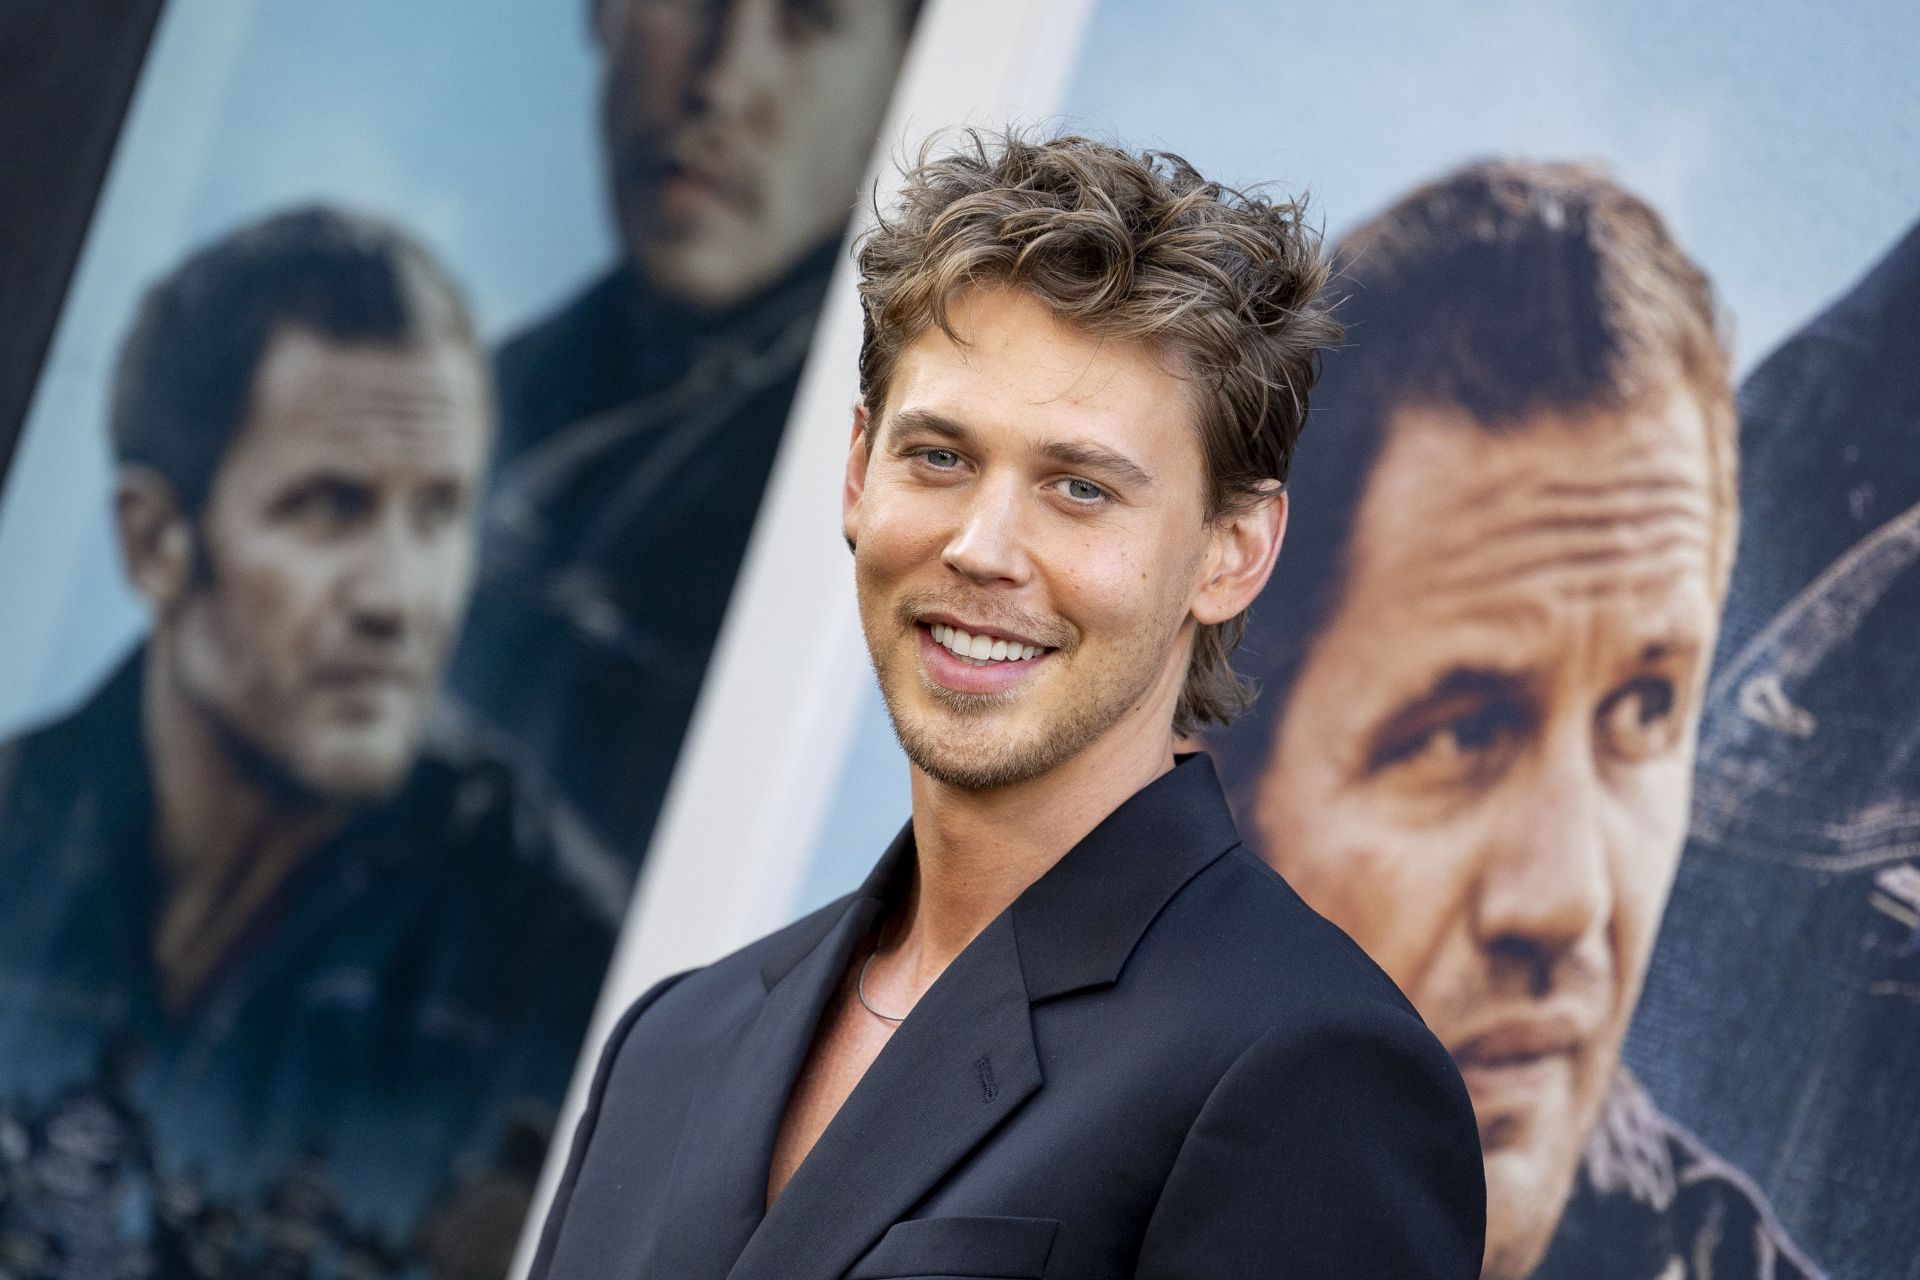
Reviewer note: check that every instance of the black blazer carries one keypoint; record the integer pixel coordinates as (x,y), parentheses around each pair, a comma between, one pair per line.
(1158,1062)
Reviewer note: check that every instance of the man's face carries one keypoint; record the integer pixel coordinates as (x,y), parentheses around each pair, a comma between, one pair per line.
(1485,765)
(737,131)
(1040,491)
(336,559)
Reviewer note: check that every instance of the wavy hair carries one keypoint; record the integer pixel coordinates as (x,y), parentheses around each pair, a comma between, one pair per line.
(1226,284)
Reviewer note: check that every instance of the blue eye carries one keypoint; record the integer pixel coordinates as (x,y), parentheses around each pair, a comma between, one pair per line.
(1083,490)
(942,458)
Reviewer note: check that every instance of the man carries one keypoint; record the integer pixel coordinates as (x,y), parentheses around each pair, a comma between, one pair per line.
(640,422)
(1794,926)
(1069,1026)
(1484,657)
(309,930)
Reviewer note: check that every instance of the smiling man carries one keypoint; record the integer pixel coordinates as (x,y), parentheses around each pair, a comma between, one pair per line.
(1484,658)
(1070,1026)
(248,869)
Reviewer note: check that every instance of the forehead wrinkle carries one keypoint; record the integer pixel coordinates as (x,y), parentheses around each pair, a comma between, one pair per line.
(1649,483)
(1623,496)
(1557,520)
(364,426)
(1615,523)
(1677,550)
(354,443)
(1639,455)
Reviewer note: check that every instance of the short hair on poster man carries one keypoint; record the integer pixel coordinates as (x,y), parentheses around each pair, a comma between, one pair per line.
(340,916)
(1483,659)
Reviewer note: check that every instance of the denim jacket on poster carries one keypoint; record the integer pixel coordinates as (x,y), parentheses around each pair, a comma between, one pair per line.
(1781,1016)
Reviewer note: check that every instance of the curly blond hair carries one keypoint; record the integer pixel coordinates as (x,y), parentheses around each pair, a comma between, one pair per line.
(1227,284)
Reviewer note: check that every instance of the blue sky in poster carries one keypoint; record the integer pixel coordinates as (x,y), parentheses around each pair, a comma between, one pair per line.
(1778,137)
(477,133)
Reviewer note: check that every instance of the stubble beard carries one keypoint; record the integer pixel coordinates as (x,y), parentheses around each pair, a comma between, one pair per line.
(1524,1211)
(261,729)
(986,759)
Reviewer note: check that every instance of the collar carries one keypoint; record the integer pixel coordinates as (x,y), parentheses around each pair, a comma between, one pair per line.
(660,337)
(1078,923)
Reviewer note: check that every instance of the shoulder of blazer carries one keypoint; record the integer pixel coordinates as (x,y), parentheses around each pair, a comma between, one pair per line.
(589,1116)
(767,960)
(1259,928)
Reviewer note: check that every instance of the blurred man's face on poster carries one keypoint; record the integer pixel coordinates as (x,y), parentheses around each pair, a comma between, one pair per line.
(737,131)
(1484,768)
(1034,496)
(335,558)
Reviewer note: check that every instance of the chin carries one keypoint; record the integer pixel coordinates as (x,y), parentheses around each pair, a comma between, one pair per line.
(364,770)
(705,271)
(1527,1190)
(969,761)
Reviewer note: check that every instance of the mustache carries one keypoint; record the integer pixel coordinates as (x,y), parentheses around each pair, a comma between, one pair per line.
(1576,986)
(408,661)
(1044,629)
(700,151)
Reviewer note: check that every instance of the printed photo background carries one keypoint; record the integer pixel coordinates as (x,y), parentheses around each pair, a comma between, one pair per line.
(342,678)
(1507,837)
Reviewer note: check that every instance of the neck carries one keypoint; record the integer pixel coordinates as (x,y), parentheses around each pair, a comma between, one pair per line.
(978,850)
(226,837)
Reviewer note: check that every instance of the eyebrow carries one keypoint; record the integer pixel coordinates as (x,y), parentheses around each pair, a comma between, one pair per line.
(1480,684)
(1490,684)
(1080,454)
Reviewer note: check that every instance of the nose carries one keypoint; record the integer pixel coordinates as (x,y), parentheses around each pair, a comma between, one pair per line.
(390,574)
(989,546)
(1544,882)
(738,78)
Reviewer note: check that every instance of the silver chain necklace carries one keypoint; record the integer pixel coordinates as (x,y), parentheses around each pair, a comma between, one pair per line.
(860,989)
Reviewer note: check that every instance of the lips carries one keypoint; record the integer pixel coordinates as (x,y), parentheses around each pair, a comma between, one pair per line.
(367,676)
(1515,1069)
(1517,1041)
(713,173)
(987,629)
(973,675)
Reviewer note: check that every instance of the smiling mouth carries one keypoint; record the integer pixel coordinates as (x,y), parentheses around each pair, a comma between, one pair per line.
(982,650)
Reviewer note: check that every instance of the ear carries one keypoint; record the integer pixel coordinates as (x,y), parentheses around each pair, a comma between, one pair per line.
(156,536)
(1244,546)
(856,479)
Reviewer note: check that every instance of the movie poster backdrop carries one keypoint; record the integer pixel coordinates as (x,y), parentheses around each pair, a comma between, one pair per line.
(367,537)
(1624,794)
(1516,699)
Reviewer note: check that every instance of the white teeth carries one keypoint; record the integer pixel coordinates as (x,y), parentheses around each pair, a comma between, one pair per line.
(980,650)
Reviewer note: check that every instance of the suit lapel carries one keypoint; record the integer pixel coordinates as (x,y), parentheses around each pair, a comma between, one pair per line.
(718,1189)
(962,1062)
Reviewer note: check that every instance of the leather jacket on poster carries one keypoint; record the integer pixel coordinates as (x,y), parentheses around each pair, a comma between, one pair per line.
(407,1013)
(636,442)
